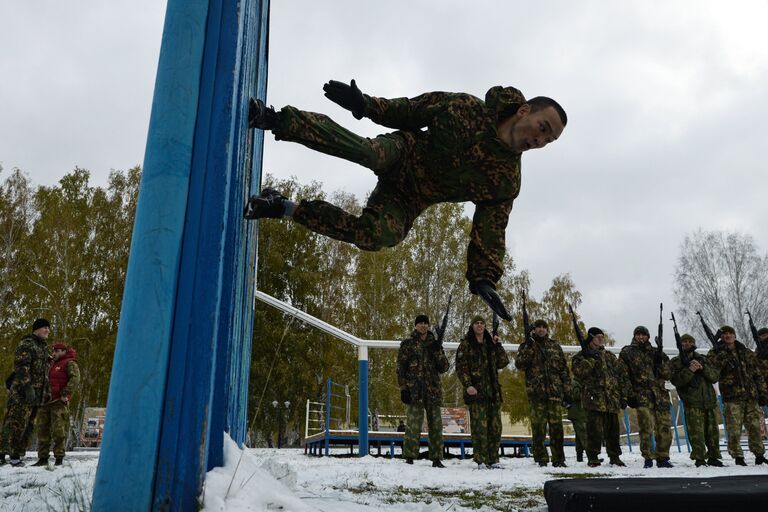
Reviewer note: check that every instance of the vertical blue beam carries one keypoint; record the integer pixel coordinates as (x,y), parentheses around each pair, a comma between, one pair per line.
(626,427)
(362,400)
(328,418)
(674,418)
(685,425)
(126,471)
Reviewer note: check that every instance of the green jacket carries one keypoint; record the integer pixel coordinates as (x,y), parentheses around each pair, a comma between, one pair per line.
(647,370)
(419,365)
(459,158)
(695,389)
(603,381)
(546,371)
(30,370)
(740,376)
(477,365)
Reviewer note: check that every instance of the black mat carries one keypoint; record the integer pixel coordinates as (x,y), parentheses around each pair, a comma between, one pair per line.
(724,494)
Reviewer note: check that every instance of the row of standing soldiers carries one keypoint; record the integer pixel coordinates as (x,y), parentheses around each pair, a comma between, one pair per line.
(601,386)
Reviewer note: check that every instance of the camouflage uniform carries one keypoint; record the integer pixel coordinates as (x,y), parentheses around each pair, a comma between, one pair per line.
(458,158)
(698,395)
(53,418)
(477,365)
(547,383)
(578,418)
(741,383)
(604,385)
(419,365)
(647,370)
(28,391)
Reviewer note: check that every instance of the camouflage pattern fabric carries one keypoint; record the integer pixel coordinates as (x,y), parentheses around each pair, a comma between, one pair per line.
(743,414)
(485,424)
(703,432)
(578,417)
(17,428)
(546,371)
(414,420)
(647,370)
(654,423)
(458,158)
(419,365)
(740,377)
(543,415)
(695,389)
(602,428)
(52,425)
(477,365)
(603,381)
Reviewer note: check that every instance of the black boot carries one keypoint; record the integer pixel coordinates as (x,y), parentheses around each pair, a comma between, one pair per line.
(579,456)
(615,461)
(59,461)
(760,459)
(409,460)
(716,463)
(261,116)
(740,461)
(2,459)
(269,204)
(700,463)
(40,462)
(437,464)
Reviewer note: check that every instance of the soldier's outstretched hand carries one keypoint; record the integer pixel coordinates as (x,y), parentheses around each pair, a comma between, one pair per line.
(487,291)
(346,96)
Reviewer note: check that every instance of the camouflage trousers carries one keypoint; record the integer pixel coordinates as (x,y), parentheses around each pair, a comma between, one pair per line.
(18,424)
(485,424)
(414,419)
(579,421)
(703,433)
(602,428)
(543,415)
(392,206)
(654,423)
(743,414)
(52,425)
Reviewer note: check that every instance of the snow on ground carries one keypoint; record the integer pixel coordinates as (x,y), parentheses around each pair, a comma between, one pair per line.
(271,479)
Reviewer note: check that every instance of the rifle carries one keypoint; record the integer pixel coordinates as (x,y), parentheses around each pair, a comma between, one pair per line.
(708,331)
(526,323)
(579,334)
(495,324)
(753,328)
(444,323)
(660,337)
(683,355)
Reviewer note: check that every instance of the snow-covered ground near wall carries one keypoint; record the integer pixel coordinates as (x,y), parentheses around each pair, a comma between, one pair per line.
(288,480)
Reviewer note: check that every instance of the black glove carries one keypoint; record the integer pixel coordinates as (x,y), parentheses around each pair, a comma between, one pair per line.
(567,402)
(29,394)
(346,96)
(632,402)
(487,291)
(436,346)
(623,403)
(405,396)
(762,400)
(589,353)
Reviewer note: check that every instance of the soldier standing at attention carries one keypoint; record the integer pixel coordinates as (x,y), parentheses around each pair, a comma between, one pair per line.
(648,369)
(470,151)
(694,383)
(548,386)
(578,419)
(603,395)
(478,360)
(420,361)
(743,390)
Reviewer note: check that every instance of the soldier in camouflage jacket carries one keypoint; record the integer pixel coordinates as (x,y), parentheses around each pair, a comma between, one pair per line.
(470,151)
(744,391)
(478,360)
(548,385)
(420,361)
(648,369)
(603,394)
(29,390)
(761,351)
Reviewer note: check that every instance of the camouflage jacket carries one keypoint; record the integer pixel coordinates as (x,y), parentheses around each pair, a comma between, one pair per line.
(419,366)
(459,158)
(603,381)
(477,365)
(762,363)
(546,371)
(740,376)
(31,369)
(695,389)
(647,370)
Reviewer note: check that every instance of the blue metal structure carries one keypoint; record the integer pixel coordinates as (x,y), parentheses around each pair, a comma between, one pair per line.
(179,377)
(362,402)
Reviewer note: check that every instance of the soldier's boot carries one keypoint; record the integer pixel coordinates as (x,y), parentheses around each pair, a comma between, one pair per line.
(17,463)
(437,464)
(700,463)
(2,459)
(269,204)
(579,456)
(40,462)
(740,461)
(261,116)
(59,461)
(543,463)
(664,464)
(559,464)
(760,459)
(648,463)
(409,460)
(594,463)
(615,461)
(716,463)
(493,466)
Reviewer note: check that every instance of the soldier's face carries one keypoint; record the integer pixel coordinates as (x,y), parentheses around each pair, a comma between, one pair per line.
(642,338)
(533,130)
(598,341)
(42,332)
(58,354)
(687,345)
(729,338)
(422,327)
(763,338)
(540,331)
(478,327)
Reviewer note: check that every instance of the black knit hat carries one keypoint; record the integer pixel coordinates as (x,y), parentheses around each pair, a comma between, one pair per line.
(594,331)
(540,323)
(641,329)
(762,330)
(421,319)
(39,323)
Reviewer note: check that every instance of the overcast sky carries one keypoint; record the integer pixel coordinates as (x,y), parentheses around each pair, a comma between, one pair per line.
(667,106)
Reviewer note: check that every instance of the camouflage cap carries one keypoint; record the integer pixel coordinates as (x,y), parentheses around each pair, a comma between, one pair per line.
(477,318)
(727,328)
(687,337)
(641,329)
(541,323)
(762,330)
(503,101)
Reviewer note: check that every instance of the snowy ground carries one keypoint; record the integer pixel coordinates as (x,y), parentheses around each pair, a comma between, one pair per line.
(288,480)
